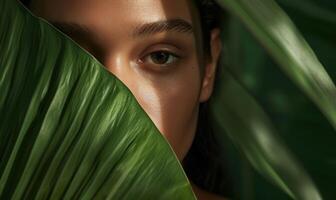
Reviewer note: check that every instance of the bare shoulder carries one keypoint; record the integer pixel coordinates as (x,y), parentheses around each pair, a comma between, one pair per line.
(205,195)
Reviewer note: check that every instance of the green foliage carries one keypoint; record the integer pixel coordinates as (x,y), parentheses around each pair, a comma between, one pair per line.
(263,143)
(250,129)
(273,28)
(70,129)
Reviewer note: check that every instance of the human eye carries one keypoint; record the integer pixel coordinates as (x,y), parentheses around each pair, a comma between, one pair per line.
(160,58)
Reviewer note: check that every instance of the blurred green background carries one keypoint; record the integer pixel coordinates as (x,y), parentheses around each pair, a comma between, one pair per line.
(303,128)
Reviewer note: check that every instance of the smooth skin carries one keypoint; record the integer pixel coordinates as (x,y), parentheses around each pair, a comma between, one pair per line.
(154,48)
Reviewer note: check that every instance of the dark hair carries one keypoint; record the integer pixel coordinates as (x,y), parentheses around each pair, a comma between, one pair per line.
(211,17)
(202,164)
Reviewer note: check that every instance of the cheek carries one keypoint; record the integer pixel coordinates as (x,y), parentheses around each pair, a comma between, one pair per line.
(171,100)
(178,99)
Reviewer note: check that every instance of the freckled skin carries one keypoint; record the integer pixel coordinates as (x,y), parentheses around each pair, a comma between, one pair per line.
(169,94)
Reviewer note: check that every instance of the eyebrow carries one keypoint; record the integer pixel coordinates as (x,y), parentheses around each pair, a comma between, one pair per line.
(173,25)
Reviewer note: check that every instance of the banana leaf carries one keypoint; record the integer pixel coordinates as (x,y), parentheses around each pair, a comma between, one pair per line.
(69,129)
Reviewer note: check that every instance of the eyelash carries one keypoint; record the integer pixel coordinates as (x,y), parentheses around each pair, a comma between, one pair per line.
(172,58)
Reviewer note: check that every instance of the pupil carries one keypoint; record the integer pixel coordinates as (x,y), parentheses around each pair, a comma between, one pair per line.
(160,57)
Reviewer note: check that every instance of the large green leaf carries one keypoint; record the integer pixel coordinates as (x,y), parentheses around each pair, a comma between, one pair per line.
(69,129)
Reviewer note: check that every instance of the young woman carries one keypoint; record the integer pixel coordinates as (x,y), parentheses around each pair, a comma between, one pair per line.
(165,52)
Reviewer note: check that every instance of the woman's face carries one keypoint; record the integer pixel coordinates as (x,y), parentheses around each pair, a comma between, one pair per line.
(150,45)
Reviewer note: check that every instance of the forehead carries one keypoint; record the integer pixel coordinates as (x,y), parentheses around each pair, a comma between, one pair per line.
(118,11)
(109,21)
